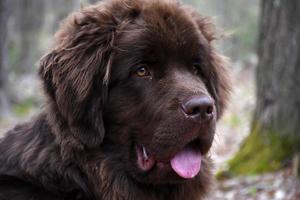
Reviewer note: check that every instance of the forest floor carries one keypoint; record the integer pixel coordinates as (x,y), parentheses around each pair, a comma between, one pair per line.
(273,186)
(232,129)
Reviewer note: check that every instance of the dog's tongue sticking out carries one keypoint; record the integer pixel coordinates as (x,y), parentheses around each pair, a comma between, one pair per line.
(187,163)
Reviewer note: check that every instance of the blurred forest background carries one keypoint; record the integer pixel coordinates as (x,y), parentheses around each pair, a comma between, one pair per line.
(26,32)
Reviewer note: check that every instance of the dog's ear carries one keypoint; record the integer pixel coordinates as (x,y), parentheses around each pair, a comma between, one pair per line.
(75,75)
(220,81)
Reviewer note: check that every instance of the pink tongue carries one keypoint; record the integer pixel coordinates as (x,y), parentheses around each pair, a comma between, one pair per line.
(187,163)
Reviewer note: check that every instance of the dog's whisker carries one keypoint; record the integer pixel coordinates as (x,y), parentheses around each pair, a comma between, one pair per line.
(145,154)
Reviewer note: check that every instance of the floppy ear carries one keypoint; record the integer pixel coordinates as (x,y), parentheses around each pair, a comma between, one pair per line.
(75,76)
(221,81)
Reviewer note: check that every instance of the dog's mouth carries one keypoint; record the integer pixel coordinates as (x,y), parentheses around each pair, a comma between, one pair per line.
(186,163)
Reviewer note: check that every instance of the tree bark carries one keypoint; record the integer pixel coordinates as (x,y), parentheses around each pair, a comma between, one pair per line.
(278,72)
(60,9)
(93,1)
(4,14)
(30,14)
(275,134)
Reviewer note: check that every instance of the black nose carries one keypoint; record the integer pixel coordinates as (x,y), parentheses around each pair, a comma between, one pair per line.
(199,108)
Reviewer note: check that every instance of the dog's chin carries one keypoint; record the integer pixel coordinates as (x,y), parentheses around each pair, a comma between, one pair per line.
(183,165)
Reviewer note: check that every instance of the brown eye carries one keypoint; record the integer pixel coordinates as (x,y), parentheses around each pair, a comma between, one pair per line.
(142,72)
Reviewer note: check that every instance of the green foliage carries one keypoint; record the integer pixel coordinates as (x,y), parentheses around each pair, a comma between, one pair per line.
(24,108)
(262,151)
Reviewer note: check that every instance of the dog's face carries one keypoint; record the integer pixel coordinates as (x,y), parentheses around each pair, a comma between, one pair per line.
(160,100)
(152,94)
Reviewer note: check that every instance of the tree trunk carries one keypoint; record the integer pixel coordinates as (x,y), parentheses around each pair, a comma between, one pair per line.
(275,134)
(60,9)
(93,1)
(30,15)
(4,13)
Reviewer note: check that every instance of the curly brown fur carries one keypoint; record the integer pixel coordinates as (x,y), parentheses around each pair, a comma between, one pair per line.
(98,111)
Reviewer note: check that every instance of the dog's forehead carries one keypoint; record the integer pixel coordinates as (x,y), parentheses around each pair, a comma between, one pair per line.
(165,28)
(171,25)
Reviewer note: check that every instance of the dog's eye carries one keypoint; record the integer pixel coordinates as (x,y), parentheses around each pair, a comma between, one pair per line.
(196,68)
(142,71)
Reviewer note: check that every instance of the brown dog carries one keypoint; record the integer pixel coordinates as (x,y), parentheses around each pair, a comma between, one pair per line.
(134,89)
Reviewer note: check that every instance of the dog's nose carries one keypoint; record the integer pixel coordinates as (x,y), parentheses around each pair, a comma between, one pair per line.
(199,108)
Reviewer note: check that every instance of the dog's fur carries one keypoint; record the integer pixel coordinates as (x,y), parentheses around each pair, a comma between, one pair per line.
(82,146)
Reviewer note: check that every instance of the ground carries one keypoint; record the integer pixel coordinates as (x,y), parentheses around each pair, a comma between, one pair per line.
(273,186)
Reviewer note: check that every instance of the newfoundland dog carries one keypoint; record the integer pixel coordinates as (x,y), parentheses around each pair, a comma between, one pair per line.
(133,91)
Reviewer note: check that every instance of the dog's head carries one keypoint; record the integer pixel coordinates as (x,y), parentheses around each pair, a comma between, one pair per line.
(140,78)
